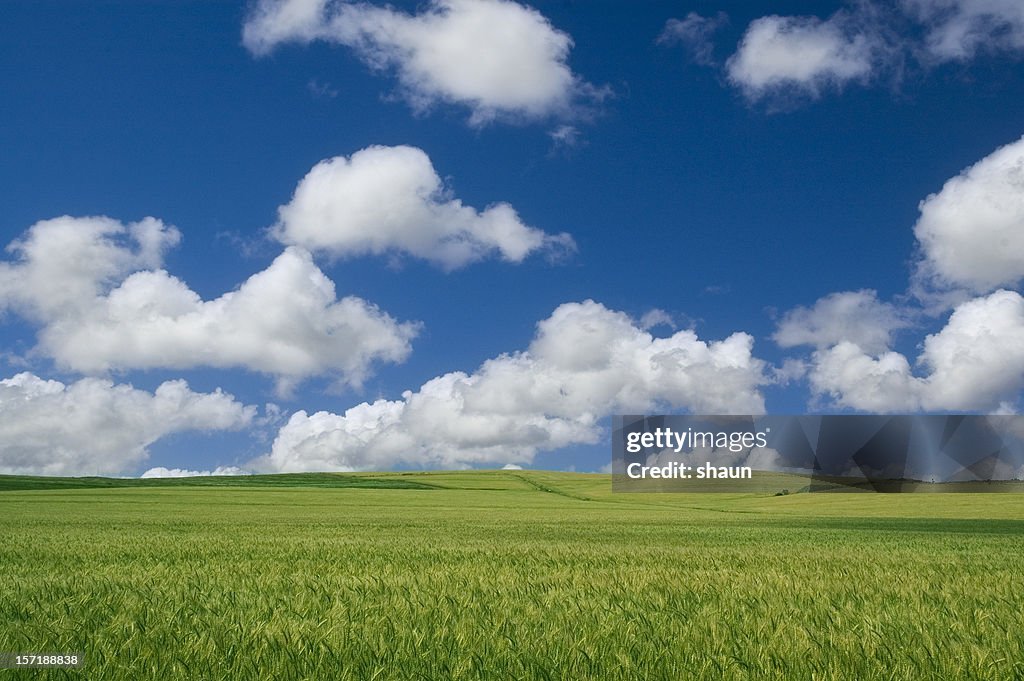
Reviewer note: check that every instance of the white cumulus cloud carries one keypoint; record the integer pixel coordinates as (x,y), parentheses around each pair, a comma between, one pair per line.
(391,200)
(94,427)
(64,264)
(801,54)
(79,278)
(854,316)
(784,55)
(971,233)
(975,362)
(584,363)
(496,57)
(971,241)
(850,377)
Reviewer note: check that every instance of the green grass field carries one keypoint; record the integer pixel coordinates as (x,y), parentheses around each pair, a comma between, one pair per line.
(505,575)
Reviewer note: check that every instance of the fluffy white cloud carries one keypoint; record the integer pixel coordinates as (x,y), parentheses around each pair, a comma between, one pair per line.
(286,321)
(694,33)
(807,55)
(497,57)
(93,427)
(976,362)
(63,265)
(585,362)
(959,29)
(391,200)
(971,232)
(778,55)
(850,377)
(161,472)
(854,316)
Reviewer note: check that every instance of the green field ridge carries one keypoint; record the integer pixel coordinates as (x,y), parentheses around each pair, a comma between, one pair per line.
(31,482)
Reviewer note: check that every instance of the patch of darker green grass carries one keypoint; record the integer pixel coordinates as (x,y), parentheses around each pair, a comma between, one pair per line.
(318,480)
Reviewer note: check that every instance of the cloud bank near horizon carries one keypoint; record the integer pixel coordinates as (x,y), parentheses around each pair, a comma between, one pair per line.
(96,427)
(585,362)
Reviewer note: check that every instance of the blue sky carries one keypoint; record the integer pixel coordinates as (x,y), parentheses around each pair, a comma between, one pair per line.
(716,168)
